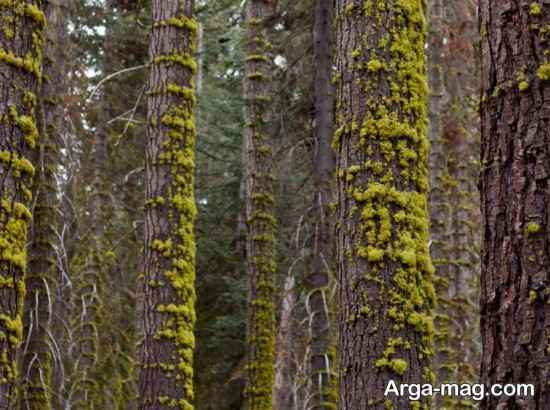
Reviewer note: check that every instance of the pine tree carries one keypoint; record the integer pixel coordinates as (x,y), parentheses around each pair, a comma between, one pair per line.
(37,359)
(515,158)
(381,143)
(260,219)
(21,47)
(321,392)
(91,270)
(166,379)
(454,199)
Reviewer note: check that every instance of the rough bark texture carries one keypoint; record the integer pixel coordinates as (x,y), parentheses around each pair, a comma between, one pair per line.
(381,143)
(321,392)
(454,199)
(260,217)
(21,45)
(36,370)
(515,199)
(166,379)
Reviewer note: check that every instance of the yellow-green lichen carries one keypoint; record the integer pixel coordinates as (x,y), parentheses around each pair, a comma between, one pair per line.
(543,72)
(375,65)
(260,219)
(523,85)
(535,9)
(391,238)
(173,275)
(532,228)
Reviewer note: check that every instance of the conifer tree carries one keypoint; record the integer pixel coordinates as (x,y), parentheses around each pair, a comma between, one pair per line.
(21,44)
(166,379)
(321,392)
(454,199)
(37,359)
(515,170)
(384,266)
(88,389)
(260,219)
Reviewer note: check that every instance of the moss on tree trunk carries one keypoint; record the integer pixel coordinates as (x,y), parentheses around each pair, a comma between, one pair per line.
(166,379)
(384,267)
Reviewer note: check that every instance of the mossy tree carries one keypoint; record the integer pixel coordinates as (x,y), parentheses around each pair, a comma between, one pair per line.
(322,386)
(260,219)
(91,269)
(166,379)
(109,151)
(381,142)
(37,358)
(515,193)
(21,49)
(454,199)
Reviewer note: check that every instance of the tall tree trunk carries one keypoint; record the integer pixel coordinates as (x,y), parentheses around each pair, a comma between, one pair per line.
(21,42)
(259,207)
(454,201)
(515,197)
(166,378)
(36,371)
(321,392)
(384,266)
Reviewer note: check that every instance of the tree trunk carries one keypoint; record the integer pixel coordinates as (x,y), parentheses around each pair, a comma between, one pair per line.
(321,392)
(41,276)
(20,71)
(166,379)
(381,143)
(454,200)
(515,196)
(259,208)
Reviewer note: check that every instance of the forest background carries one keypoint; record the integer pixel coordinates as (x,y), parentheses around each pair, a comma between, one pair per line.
(84,305)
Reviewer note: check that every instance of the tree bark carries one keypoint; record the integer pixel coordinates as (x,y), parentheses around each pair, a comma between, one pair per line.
(21,42)
(515,196)
(381,143)
(260,217)
(37,363)
(321,392)
(454,199)
(166,379)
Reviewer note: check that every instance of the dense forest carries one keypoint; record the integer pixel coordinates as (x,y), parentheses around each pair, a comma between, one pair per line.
(274,205)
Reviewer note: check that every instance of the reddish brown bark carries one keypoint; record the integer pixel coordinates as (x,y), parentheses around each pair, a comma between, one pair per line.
(166,378)
(515,199)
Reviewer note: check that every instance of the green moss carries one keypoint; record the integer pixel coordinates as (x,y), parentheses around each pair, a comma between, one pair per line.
(28,62)
(260,219)
(523,85)
(393,233)
(181,22)
(257,58)
(532,228)
(399,366)
(185,60)
(375,65)
(185,92)
(535,9)
(543,72)
(174,247)
(14,329)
